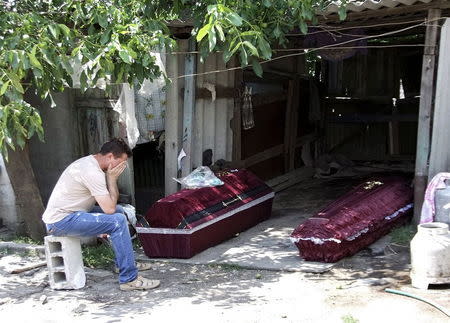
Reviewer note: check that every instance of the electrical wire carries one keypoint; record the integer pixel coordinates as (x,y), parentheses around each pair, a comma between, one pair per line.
(422,22)
(338,46)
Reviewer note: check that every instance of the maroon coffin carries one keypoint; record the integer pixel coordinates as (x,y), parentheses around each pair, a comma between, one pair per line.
(190,221)
(355,220)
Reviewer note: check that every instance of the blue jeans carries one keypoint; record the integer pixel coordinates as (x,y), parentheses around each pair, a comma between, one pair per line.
(84,224)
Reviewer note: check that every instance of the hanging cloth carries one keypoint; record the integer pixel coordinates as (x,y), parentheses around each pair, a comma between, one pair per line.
(248,121)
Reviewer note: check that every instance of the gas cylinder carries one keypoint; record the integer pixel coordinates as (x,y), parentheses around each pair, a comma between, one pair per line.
(430,255)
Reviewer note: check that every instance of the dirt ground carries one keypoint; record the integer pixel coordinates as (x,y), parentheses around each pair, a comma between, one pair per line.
(352,291)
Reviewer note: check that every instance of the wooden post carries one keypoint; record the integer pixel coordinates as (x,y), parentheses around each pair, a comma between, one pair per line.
(288,125)
(425,109)
(172,123)
(440,152)
(294,124)
(188,108)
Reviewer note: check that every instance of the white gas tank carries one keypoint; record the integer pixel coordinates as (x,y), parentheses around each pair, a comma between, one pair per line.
(430,255)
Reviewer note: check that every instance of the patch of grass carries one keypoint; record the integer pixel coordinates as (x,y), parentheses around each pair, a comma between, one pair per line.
(349,319)
(136,244)
(101,256)
(403,235)
(27,240)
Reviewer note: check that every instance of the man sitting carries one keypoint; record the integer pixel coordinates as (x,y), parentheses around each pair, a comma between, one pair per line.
(70,208)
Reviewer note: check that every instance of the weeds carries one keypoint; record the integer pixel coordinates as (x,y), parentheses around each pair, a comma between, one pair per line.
(101,256)
(403,235)
(349,319)
(27,240)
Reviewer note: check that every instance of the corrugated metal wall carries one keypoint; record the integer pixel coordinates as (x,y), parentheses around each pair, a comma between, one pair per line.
(211,125)
(212,118)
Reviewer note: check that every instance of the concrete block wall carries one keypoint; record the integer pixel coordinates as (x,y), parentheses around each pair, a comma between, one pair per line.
(60,148)
(64,262)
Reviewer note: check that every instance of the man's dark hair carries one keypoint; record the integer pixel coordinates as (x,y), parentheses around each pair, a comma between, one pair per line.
(117,147)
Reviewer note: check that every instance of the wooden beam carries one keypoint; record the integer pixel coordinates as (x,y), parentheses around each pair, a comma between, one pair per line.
(188,108)
(264,155)
(289,179)
(425,109)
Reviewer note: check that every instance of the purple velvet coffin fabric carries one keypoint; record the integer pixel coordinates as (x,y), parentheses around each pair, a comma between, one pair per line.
(190,221)
(355,220)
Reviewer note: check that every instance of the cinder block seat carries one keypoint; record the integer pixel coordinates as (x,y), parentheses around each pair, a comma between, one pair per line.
(64,262)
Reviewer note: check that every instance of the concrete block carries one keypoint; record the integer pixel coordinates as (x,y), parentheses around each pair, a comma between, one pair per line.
(64,262)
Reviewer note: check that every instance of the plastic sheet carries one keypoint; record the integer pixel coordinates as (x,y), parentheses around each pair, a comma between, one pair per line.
(200,177)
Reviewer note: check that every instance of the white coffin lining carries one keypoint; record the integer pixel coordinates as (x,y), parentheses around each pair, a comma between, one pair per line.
(203,225)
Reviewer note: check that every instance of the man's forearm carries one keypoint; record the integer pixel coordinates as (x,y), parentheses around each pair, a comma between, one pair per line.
(113,189)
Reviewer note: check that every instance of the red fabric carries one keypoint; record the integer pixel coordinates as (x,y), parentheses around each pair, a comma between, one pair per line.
(159,245)
(170,212)
(356,219)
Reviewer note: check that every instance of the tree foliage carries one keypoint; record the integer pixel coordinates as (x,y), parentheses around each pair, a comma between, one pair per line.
(44,43)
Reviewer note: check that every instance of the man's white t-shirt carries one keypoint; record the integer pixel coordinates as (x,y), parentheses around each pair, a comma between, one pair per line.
(75,189)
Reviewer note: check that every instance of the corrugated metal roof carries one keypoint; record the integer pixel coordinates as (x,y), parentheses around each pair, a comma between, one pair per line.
(358,6)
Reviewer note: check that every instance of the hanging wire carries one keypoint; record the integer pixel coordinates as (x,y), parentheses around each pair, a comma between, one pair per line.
(331,46)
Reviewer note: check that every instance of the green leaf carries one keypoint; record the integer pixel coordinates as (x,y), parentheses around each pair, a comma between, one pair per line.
(33,60)
(257,68)
(15,60)
(66,65)
(267,3)
(105,37)
(220,31)
(211,8)
(277,31)
(125,55)
(47,56)
(4,87)
(227,54)
(342,12)
(244,57)
(252,48)
(234,19)
(202,32)
(102,20)
(212,39)
(54,30)
(20,141)
(250,33)
(303,27)
(264,47)
(65,29)
(15,81)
